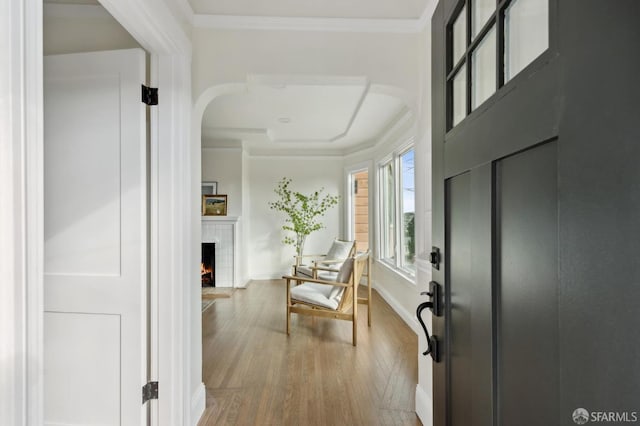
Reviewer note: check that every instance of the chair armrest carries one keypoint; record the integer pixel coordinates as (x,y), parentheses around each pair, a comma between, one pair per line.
(313,280)
(308,255)
(329,261)
(298,258)
(323,268)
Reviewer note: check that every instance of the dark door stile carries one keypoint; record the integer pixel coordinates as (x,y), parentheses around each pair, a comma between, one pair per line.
(537,216)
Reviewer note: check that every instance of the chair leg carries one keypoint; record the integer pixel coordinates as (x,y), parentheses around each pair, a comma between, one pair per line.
(354,318)
(355,332)
(369,307)
(288,307)
(288,320)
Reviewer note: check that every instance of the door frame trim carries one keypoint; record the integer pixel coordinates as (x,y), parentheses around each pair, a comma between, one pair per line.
(21,325)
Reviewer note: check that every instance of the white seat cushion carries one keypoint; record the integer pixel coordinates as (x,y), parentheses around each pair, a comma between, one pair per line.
(324,295)
(316,294)
(339,250)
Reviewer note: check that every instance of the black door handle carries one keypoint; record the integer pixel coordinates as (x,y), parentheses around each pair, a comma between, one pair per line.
(432,341)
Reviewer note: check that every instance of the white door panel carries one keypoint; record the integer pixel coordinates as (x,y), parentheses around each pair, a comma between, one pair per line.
(95,238)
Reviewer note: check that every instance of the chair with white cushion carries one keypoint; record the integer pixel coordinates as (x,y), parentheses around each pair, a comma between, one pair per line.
(324,266)
(337,299)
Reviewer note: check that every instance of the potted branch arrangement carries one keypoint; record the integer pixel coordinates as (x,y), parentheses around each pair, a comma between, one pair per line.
(303,212)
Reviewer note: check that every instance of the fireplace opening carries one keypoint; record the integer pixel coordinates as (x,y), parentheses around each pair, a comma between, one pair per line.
(208,265)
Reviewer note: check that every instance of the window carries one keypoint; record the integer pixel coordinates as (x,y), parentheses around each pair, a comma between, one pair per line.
(489,42)
(397,211)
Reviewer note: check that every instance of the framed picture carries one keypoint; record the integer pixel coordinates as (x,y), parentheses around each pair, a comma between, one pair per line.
(209,188)
(214,205)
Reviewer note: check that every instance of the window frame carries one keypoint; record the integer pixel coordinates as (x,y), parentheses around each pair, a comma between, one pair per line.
(495,20)
(396,259)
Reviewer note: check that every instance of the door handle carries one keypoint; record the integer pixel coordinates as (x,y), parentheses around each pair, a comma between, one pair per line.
(435,305)
(432,341)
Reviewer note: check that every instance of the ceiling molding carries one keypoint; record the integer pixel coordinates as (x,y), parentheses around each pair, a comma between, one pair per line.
(78,11)
(282,80)
(346,25)
(187,10)
(143,17)
(396,127)
(296,153)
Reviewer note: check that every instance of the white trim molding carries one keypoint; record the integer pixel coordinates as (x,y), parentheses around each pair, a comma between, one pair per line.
(198,404)
(424,406)
(279,23)
(21,225)
(406,316)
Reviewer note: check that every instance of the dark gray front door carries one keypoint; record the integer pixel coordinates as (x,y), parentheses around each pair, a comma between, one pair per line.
(536,196)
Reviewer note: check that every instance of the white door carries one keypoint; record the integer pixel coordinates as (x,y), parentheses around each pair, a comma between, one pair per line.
(95,252)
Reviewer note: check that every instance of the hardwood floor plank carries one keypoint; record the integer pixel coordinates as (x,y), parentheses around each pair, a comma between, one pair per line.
(256,375)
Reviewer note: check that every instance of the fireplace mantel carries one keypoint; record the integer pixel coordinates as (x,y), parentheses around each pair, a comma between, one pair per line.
(230,219)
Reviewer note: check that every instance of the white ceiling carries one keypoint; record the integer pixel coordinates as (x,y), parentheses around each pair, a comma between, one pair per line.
(302,114)
(365,9)
(279,114)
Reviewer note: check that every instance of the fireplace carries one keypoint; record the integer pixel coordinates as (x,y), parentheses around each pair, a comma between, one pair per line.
(208,265)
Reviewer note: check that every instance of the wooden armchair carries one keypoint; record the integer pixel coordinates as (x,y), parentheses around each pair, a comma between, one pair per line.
(324,266)
(337,299)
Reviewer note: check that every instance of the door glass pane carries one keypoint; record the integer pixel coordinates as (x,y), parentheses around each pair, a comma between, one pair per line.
(483,73)
(480,12)
(526,26)
(460,95)
(460,35)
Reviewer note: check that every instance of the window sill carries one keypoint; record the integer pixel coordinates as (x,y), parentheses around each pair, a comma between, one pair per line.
(408,279)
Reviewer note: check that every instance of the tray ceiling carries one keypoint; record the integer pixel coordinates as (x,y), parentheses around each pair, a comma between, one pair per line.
(358,9)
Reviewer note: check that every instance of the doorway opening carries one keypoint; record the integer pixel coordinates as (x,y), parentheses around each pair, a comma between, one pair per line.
(359,208)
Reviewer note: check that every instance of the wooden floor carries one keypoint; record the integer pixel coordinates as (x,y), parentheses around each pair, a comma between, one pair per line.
(256,375)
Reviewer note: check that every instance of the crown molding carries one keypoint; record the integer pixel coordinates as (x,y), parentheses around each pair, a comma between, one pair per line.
(143,17)
(186,10)
(80,11)
(346,25)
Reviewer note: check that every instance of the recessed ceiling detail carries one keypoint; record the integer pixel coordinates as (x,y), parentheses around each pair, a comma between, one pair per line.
(303,112)
(358,9)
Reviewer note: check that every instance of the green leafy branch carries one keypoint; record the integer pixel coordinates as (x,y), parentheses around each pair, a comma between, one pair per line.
(303,211)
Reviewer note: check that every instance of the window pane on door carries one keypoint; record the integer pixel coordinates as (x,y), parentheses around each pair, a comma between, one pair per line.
(460,35)
(481,10)
(459,95)
(526,26)
(483,74)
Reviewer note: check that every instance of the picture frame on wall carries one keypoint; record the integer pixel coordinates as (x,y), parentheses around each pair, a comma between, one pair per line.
(209,188)
(214,205)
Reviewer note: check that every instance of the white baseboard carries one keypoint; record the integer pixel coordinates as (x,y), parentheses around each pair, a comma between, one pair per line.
(275,276)
(424,406)
(198,404)
(406,316)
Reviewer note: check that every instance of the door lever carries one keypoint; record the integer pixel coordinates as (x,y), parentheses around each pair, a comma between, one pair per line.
(432,341)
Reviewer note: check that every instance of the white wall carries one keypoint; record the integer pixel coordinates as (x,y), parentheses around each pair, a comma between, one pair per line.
(269,257)
(224,165)
(227,56)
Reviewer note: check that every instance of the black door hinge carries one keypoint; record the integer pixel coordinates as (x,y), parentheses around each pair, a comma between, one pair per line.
(149,391)
(149,95)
